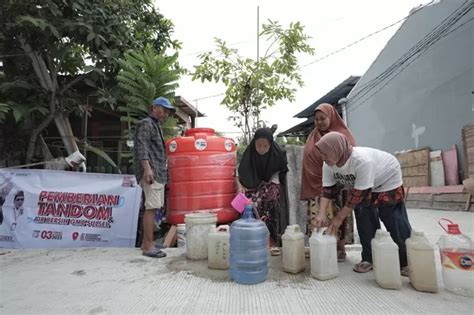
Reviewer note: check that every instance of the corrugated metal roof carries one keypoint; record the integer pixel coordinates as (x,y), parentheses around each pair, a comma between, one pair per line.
(302,129)
(186,107)
(305,127)
(332,97)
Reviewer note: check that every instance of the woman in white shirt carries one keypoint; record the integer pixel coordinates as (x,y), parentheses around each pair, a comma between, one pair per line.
(375,179)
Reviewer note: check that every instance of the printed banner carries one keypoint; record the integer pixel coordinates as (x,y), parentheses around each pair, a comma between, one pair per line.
(51,209)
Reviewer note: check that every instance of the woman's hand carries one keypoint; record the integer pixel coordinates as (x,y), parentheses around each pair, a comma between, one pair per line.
(318,222)
(241,188)
(334,225)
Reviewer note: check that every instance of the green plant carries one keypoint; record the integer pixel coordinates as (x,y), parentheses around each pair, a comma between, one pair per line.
(253,85)
(144,75)
(50,47)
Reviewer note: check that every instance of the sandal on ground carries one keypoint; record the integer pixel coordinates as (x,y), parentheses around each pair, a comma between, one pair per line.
(275,251)
(158,246)
(341,256)
(405,271)
(154,253)
(363,267)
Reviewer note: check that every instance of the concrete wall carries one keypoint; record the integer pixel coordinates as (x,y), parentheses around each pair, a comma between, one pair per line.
(297,209)
(427,100)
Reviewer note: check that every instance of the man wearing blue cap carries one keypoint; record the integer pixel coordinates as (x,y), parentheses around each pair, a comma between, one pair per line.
(151,167)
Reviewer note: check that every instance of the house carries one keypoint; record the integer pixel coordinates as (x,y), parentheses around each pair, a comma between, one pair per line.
(418,91)
(104,130)
(186,113)
(304,128)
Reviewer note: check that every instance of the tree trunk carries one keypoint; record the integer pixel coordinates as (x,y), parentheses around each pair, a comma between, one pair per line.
(65,131)
(46,74)
(45,150)
(34,136)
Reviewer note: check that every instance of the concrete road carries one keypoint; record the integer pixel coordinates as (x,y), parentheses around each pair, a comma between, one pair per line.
(122,281)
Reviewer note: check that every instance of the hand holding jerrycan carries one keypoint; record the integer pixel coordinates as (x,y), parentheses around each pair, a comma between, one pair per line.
(323,255)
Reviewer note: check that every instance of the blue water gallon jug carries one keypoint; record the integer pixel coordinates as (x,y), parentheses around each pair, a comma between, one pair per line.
(248,249)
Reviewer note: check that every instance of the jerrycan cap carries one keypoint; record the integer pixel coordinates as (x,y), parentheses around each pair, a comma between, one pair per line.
(453,228)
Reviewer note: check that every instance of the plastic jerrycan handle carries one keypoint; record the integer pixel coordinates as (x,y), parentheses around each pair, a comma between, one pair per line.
(320,232)
(453,228)
(294,228)
(447,220)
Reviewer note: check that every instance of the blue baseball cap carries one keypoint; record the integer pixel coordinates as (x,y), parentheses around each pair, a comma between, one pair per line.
(163,101)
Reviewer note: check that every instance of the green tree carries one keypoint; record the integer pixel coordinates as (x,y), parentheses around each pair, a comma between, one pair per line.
(48,47)
(253,85)
(146,74)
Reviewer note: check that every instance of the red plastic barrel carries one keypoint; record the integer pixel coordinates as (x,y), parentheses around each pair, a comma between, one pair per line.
(202,175)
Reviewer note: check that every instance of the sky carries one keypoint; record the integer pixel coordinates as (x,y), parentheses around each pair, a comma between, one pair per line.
(330,24)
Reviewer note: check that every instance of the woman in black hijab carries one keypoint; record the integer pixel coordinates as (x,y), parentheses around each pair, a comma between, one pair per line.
(262,166)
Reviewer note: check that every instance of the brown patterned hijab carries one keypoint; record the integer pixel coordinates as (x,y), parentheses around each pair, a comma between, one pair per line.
(311,174)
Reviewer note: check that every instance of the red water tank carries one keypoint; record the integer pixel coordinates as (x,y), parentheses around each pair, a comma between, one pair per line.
(202,175)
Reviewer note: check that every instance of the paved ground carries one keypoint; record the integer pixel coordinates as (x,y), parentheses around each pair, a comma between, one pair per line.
(427,221)
(121,281)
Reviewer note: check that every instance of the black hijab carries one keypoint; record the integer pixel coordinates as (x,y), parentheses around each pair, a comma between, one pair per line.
(255,168)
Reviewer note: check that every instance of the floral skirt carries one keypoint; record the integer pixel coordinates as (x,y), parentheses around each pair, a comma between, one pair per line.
(266,199)
(346,230)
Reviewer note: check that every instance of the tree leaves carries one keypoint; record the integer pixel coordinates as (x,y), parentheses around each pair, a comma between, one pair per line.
(146,74)
(67,39)
(253,85)
(4,110)
(40,23)
(19,111)
(90,36)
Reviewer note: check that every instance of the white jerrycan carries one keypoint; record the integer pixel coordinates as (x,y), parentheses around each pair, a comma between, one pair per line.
(293,257)
(323,255)
(385,260)
(421,263)
(218,247)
